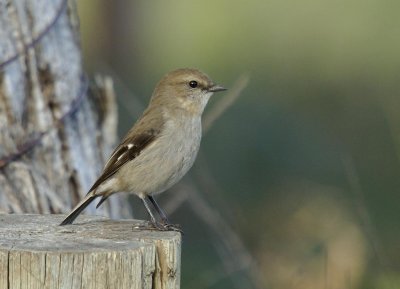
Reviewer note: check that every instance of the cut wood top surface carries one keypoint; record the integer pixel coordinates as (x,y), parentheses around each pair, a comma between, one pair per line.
(43,233)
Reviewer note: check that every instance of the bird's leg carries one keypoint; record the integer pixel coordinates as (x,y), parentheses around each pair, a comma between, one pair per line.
(164,219)
(146,205)
(156,225)
(160,211)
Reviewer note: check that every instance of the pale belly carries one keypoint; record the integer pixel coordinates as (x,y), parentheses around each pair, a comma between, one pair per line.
(162,164)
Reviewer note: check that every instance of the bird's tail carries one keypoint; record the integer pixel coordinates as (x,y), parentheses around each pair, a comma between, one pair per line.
(79,208)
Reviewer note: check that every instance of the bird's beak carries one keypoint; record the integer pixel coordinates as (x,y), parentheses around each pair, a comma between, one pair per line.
(216,88)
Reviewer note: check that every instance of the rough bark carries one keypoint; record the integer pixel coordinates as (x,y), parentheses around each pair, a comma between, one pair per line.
(42,83)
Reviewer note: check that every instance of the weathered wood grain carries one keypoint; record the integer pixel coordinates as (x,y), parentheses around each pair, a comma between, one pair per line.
(94,253)
(38,88)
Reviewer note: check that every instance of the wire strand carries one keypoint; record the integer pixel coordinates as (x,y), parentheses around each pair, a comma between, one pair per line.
(36,40)
(29,145)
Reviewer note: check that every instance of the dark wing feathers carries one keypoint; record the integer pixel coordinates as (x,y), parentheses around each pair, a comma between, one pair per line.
(129,149)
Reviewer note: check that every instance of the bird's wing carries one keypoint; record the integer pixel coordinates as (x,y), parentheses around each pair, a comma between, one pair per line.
(129,149)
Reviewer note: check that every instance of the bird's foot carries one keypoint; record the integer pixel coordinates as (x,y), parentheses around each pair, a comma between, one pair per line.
(159,226)
(164,226)
(171,227)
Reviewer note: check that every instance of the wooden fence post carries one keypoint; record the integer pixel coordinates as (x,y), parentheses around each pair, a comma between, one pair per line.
(94,253)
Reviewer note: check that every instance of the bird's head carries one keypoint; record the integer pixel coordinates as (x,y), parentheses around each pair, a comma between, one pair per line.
(187,89)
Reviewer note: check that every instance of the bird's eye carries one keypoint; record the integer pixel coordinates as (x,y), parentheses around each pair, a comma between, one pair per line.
(193,84)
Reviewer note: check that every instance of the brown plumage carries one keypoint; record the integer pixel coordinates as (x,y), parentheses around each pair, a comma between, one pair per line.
(162,145)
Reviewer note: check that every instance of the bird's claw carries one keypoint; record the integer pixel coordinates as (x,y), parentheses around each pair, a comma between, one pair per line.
(158,226)
(172,227)
(163,226)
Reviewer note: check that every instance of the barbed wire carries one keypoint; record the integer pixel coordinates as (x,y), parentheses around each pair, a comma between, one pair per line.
(40,36)
(29,145)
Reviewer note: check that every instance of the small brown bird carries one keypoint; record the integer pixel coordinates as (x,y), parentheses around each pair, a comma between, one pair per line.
(160,148)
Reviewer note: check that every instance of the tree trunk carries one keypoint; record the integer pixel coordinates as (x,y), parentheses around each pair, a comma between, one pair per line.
(55,129)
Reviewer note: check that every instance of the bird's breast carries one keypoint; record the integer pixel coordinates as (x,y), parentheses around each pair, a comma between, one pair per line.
(165,161)
(183,141)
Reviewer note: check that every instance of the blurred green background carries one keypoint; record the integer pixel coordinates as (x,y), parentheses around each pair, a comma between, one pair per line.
(303,171)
